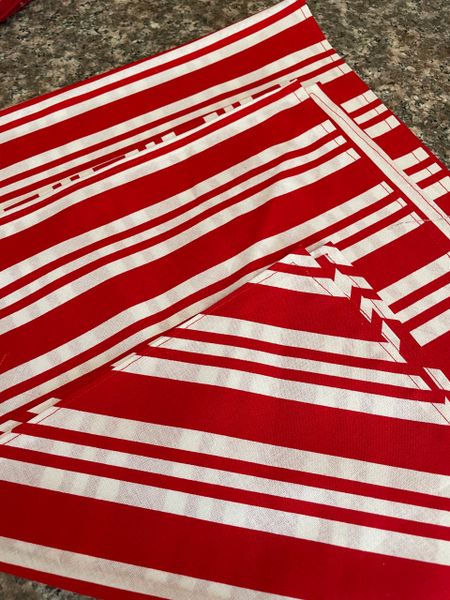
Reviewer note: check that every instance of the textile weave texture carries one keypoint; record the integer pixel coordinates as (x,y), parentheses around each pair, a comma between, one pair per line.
(225,329)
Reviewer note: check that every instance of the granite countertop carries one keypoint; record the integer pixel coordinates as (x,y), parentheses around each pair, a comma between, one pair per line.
(399,47)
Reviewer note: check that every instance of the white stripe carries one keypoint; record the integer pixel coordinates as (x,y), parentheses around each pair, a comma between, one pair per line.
(383,237)
(119,575)
(158,210)
(295,363)
(351,208)
(143,136)
(295,338)
(424,304)
(367,221)
(438,189)
(299,283)
(127,90)
(415,280)
(328,75)
(6,426)
(235,480)
(300,260)
(150,63)
(359,101)
(370,114)
(133,315)
(424,173)
(235,514)
(152,165)
(125,127)
(77,287)
(285,389)
(439,378)
(146,214)
(408,188)
(256,452)
(382,127)
(411,158)
(432,329)
(36,410)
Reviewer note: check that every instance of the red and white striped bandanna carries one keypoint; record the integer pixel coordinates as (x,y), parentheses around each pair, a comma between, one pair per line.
(225,330)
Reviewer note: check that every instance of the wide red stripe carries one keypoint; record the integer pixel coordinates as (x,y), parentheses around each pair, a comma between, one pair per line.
(252,417)
(247,27)
(142,448)
(167,182)
(228,494)
(232,555)
(108,115)
(139,326)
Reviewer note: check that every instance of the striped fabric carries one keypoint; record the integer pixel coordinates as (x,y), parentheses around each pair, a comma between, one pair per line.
(225,330)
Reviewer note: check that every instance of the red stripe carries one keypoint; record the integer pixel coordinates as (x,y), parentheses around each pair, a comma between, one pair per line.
(152,70)
(232,555)
(108,115)
(251,416)
(234,465)
(294,375)
(227,494)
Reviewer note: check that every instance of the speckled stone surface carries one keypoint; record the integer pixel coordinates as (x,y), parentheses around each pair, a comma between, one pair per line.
(399,47)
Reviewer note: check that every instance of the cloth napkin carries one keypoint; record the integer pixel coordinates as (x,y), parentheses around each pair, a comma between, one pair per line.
(225,329)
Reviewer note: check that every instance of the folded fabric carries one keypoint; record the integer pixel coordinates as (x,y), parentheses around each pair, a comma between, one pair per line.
(225,327)
(50,141)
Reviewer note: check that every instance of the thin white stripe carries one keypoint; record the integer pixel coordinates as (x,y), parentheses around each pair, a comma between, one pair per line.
(411,158)
(116,146)
(158,210)
(329,74)
(132,316)
(438,189)
(152,81)
(256,452)
(125,127)
(146,214)
(119,575)
(424,173)
(359,101)
(439,377)
(415,280)
(299,283)
(152,165)
(382,127)
(285,389)
(383,237)
(370,114)
(235,514)
(235,480)
(367,221)
(295,363)
(139,258)
(360,137)
(309,340)
(432,329)
(36,410)
(151,62)
(301,260)
(352,207)
(424,304)
(6,426)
